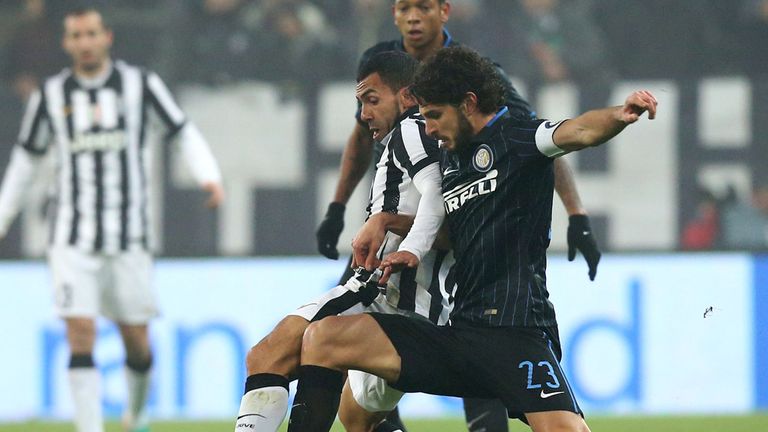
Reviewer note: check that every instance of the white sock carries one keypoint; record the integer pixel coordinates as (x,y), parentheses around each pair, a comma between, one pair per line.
(85,385)
(135,415)
(262,410)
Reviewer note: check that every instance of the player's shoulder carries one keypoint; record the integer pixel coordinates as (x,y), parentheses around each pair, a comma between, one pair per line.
(126,67)
(411,130)
(514,125)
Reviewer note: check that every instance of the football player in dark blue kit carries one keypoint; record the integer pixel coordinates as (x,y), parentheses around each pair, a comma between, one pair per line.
(498,181)
(421,23)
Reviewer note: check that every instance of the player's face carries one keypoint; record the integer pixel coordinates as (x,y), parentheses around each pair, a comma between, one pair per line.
(380,105)
(448,124)
(87,41)
(420,21)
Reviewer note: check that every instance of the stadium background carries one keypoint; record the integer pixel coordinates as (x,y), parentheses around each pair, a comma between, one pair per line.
(270,84)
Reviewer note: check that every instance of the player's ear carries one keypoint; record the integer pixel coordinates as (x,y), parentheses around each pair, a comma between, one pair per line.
(445,11)
(406,98)
(469,104)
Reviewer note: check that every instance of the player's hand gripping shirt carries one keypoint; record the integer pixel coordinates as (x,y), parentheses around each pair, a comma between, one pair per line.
(409,163)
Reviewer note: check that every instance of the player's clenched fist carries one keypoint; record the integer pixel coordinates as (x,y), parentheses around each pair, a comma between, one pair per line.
(636,104)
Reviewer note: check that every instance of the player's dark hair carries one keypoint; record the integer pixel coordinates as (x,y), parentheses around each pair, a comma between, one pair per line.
(396,69)
(449,75)
(82,10)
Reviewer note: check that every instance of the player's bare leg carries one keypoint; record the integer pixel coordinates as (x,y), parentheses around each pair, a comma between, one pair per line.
(271,364)
(556,421)
(356,418)
(138,364)
(84,378)
(329,347)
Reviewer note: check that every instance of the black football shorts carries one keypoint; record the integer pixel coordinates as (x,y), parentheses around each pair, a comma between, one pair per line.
(517,365)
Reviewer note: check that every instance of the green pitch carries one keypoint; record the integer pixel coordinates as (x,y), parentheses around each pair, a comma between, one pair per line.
(751,423)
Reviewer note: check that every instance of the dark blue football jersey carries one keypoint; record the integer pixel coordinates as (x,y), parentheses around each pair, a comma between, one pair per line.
(498,198)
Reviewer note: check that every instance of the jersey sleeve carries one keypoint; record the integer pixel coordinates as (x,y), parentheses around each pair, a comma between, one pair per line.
(534,138)
(545,141)
(429,215)
(418,149)
(35,133)
(161,100)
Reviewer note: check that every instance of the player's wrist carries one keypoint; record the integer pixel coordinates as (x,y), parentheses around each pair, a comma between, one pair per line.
(579,220)
(335,210)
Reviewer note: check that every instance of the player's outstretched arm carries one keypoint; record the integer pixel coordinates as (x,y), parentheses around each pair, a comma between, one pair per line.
(596,127)
(354,162)
(580,235)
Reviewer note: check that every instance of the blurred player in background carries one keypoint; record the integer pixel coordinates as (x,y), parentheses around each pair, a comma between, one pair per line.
(422,26)
(406,182)
(95,116)
(502,338)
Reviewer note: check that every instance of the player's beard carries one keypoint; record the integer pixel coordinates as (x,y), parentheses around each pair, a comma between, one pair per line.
(464,133)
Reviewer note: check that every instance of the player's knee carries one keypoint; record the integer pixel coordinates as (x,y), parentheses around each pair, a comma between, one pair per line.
(561,423)
(319,340)
(356,419)
(278,352)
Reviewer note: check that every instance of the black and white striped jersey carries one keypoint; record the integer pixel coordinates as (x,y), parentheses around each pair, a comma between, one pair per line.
(98,129)
(407,151)
(498,199)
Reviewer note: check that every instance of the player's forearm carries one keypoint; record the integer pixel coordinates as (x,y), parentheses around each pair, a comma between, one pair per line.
(565,185)
(399,224)
(354,163)
(18,178)
(590,129)
(198,156)
(429,215)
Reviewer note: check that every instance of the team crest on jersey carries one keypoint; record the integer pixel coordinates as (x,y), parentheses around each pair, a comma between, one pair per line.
(483,158)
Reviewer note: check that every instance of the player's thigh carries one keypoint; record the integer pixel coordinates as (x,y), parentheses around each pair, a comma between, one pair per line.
(129,297)
(522,368)
(351,342)
(335,301)
(77,279)
(278,352)
(359,411)
(556,421)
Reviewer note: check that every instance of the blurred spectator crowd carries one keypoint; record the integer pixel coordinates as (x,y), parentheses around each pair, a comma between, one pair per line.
(298,44)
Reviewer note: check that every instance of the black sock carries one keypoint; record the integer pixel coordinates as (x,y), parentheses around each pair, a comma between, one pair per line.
(317,399)
(485,415)
(81,361)
(387,426)
(140,366)
(392,423)
(261,380)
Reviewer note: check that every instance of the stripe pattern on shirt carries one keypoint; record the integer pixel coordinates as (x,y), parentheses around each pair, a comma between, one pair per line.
(98,129)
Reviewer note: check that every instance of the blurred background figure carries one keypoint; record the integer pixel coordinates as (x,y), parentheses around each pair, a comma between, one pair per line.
(552,41)
(745,222)
(703,232)
(218,42)
(33,51)
(309,46)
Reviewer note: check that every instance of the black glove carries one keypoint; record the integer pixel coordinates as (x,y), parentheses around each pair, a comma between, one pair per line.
(580,237)
(329,230)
